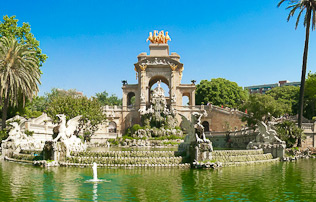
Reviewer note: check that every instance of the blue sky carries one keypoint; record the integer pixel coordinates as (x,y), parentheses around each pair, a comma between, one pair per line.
(92,45)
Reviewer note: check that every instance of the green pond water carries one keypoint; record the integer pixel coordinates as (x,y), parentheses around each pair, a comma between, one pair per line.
(266,182)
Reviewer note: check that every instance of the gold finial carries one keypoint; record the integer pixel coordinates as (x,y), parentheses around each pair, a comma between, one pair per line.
(160,39)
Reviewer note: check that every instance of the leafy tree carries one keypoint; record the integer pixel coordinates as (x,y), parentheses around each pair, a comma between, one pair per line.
(289,132)
(9,28)
(309,6)
(310,96)
(220,92)
(104,99)
(19,73)
(34,58)
(287,95)
(72,106)
(262,107)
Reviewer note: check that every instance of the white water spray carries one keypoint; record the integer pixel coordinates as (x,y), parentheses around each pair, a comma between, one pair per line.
(95,172)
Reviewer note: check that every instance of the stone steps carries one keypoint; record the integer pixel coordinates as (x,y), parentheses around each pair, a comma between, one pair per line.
(117,154)
(125,160)
(236,152)
(250,162)
(242,158)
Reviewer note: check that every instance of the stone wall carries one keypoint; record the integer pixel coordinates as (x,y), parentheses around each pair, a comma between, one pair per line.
(236,140)
(310,133)
(218,118)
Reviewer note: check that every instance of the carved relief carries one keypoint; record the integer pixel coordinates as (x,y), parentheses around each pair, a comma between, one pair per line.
(173,67)
(156,61)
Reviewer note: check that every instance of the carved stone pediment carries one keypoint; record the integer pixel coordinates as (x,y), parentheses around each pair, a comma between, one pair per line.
(158,61)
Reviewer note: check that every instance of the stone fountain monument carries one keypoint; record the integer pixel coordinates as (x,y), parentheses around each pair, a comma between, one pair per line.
(157,119)
(65,142)
(18,140)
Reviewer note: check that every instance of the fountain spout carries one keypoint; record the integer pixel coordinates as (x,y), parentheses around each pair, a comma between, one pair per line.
(95,172)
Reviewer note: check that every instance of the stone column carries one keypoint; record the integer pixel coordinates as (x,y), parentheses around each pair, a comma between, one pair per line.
(173,95)
(192,98)
(143,91)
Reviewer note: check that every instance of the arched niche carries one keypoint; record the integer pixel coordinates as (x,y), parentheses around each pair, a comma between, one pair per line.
(206,126)
(130,99)
(163,80)
(112,127)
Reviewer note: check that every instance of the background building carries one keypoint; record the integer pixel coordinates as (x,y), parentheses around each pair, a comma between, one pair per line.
(262,89)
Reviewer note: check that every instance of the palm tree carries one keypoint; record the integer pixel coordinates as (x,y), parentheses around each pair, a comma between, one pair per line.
(19,74)
(309,6)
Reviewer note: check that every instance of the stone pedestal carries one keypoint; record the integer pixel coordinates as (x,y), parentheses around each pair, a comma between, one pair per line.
(56,151)
(201,151)
(276,149)
(9,148)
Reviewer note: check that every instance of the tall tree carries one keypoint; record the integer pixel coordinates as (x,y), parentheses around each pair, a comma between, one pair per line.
(309,6)
(219,92)
(19,73)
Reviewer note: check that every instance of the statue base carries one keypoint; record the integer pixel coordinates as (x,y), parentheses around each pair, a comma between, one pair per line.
(200,151)
(8,149)
(56,151)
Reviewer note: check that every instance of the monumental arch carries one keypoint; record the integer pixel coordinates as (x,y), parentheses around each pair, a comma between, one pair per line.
(162,66)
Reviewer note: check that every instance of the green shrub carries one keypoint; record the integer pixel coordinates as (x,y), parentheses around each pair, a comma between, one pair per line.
(29,133)
(3,134)
(289,132)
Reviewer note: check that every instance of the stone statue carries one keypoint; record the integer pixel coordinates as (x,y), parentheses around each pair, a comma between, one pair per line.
(268,141)
(160,39)
(267,135)
(15,133)
(66,134)
(194,128)
(195,146)
(199,128)
(17,140)
(66,131)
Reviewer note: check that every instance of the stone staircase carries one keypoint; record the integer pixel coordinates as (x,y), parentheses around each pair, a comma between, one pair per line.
(242,157)
(125,159)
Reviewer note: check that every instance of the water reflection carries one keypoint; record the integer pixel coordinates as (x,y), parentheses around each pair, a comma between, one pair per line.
(267,182)
(95,191)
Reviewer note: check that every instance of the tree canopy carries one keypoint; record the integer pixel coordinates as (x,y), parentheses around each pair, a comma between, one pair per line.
(261,107)
(310,96)
(72,106)
(10,29)
(287,95)
(220,92)
(105,99)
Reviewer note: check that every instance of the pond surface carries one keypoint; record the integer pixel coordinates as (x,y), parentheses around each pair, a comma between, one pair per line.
(267,182)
